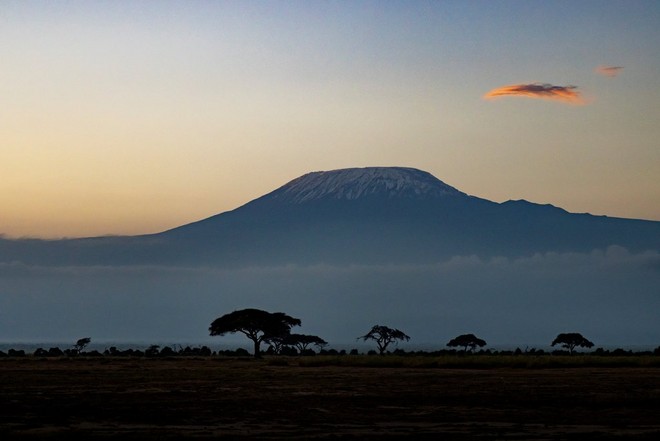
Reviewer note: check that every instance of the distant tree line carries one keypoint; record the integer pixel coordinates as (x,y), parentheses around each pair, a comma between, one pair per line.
(274,330)
(151,351)
(204,351)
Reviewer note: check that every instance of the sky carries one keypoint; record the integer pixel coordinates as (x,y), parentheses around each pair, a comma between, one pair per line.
(124,117)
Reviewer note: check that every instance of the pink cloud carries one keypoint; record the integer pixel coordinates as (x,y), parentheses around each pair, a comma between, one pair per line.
(565,94)
(608,71)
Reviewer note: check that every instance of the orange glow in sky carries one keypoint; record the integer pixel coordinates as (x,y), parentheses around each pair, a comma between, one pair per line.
(131,117)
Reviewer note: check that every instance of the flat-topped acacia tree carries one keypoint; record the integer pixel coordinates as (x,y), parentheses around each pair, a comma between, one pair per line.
(383,336)
(571,340)
(302,341)
(466,341)
(257,325)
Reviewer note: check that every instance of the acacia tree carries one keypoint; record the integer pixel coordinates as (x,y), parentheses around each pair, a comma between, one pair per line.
(571,340)
(257,325)
(80,344)
(276,343)
(302,341)
(383,336)
(466,341)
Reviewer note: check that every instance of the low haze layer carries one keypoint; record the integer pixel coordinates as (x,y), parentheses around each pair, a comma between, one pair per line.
(610,296)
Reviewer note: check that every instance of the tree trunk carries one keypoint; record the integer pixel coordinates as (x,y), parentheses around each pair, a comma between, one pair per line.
(257,349)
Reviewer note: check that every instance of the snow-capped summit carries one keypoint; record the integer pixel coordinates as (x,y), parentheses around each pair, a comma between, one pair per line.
(355,183)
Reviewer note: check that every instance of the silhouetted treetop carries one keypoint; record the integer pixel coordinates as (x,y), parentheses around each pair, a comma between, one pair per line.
(255,324)
(466,341)
(81,343)
(302,341)
(383,336)
(571,340)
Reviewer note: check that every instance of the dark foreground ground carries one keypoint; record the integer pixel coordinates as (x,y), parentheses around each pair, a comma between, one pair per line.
(215,397)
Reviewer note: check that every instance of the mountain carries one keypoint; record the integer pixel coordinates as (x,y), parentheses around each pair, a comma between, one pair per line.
(343,250)
(356,215)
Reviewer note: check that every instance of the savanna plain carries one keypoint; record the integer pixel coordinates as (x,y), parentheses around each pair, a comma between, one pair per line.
(350,397)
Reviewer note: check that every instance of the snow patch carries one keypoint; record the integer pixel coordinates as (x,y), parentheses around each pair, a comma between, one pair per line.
(354,183)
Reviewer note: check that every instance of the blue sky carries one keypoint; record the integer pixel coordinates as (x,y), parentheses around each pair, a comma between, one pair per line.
(134,117)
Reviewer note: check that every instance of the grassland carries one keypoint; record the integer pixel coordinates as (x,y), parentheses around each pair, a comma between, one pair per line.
(350,397)
(468,361)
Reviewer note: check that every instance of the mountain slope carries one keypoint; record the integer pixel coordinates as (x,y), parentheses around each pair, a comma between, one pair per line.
(360,215)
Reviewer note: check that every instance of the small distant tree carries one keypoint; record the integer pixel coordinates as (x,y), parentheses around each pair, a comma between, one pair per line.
(572,340)
(383,336)
(466,341)
(255,324)
(152,351)
(80,344)
(302,341)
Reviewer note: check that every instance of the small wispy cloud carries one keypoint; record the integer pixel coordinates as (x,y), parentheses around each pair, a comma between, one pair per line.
(608,71)
(565,94)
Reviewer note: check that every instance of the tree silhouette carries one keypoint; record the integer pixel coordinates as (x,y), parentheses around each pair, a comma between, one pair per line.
(383,336)
(152,351)
(276,343)
(257,325)
(572,340)
(466,341)
(302,341)
(80,344)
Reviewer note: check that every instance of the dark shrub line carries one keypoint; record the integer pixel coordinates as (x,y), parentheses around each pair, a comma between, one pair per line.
(156,351)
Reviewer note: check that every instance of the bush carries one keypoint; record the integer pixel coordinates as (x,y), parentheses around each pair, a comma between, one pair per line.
(152,351)
(55,352)
(40,352)
(288,350)
(167,352)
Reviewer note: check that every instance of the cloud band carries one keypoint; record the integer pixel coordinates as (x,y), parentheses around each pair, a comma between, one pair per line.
(565,94)
(609,71)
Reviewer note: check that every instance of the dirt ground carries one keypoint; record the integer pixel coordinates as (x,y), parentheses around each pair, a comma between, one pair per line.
(234,399)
